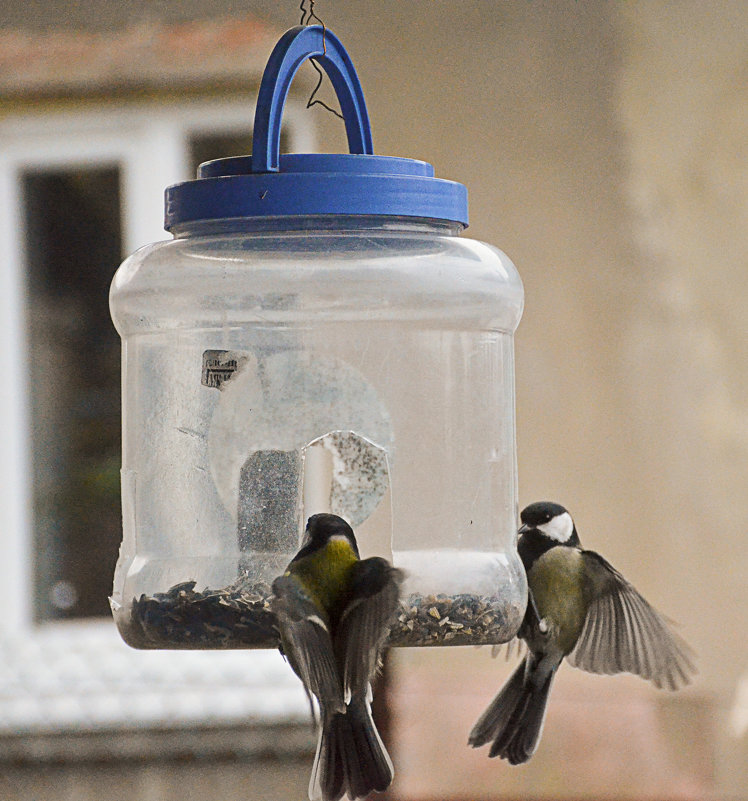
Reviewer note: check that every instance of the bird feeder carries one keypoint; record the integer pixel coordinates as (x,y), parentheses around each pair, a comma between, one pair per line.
(316,337)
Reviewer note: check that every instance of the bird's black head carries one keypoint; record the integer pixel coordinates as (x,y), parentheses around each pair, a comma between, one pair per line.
(551,520)
(321,528)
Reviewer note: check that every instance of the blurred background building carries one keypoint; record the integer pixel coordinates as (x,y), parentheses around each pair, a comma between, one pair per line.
(605,149)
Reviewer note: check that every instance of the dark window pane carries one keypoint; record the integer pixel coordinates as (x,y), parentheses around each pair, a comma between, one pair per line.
(73,246)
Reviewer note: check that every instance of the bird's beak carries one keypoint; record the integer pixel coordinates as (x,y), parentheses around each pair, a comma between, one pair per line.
(523,529)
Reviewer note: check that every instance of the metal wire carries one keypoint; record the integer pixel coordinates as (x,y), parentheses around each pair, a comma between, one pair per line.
(308,16)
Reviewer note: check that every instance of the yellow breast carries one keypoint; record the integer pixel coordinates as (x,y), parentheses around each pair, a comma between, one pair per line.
(326,573)
(558,591)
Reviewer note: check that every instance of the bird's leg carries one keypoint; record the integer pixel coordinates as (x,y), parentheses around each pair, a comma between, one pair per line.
(532,609)
(535,620)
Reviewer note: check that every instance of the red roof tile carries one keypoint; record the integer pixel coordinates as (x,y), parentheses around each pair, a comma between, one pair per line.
(146,55)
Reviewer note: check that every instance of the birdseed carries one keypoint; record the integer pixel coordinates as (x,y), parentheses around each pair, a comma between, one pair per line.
(237,616)
(462,619)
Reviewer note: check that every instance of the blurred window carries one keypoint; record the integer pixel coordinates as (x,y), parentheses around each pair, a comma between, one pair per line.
(80,188)
(78,191)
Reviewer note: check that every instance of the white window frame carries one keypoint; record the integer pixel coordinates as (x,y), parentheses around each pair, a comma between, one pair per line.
(149,142)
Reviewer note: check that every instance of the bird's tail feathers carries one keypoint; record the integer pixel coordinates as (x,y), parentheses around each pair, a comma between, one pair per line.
(513,721)
(494,718)
(351,757)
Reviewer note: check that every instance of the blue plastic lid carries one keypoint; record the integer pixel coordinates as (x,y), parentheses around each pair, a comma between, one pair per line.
(267,184)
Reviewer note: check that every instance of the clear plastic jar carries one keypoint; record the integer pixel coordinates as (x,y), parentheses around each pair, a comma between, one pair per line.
(282,364)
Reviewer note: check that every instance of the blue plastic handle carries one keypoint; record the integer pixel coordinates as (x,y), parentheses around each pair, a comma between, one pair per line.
(292,50)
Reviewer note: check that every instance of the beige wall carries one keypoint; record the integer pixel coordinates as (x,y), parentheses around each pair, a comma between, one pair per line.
(605,148)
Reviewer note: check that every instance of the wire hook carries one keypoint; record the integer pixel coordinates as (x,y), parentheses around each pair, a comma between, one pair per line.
(308,15)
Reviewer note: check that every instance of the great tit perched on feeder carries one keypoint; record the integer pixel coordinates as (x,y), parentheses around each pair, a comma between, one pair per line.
(334,612)
(579,607)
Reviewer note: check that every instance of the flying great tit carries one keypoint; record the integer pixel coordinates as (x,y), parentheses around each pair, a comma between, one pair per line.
(581,608)
(334,612)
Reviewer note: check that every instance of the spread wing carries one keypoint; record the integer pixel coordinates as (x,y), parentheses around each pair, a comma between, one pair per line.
(366,620)
(306,642)
(623,633)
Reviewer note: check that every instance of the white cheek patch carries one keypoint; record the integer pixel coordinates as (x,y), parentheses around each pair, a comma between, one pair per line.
(560,528)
